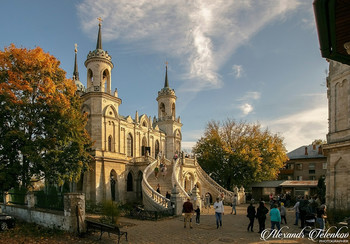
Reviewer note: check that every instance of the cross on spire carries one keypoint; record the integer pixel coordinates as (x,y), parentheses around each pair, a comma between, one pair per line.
(100,20)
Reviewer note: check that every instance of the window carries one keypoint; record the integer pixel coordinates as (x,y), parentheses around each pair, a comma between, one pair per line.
(129,183)
(110,143)
(324,166)
(311,166)
(299,166)
(290,166)
(299,177)
(312,171)
(130,143)
(312,177)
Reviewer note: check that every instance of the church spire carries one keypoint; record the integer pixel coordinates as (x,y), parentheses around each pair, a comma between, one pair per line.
(99,37)
(75,72)
(166,83)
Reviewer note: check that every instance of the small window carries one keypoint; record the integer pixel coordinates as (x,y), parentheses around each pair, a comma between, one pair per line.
(129,183)
(312,171)
(311,166)
(312,177)
(324,166)
(299,177)
(299,166)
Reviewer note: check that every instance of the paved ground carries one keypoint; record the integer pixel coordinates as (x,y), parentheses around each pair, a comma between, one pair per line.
(234,230)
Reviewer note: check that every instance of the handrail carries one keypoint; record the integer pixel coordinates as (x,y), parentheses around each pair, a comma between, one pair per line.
(202,174)
(148,191)
(175,179)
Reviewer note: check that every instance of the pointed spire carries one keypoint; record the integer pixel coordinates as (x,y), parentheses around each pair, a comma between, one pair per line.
(99,37)
(166,83)
(75,72)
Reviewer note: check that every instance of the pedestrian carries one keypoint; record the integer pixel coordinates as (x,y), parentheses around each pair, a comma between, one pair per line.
(321,216)
(251,214)
(158,188)
(198,215)
(167,195)
(234,203)
(296,208)
(283,213)
(164,171)
(156,171)
(303,210)
(219,211)
(187,209)
(261,215)
(275,217)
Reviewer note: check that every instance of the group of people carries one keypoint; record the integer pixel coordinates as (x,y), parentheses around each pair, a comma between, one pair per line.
(162,168)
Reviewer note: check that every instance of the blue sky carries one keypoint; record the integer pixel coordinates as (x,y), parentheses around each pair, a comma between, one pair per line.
(247,60)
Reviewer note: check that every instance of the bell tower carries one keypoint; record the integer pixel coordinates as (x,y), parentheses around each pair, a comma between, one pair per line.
(99,67)
(167,120)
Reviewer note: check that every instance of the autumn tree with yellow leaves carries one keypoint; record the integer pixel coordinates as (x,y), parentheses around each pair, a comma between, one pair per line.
(42,128)
(239,153)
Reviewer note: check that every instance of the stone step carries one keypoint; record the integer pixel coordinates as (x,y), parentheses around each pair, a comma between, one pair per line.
(163,181)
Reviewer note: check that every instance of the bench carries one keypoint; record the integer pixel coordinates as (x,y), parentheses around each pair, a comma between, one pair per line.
(97,226)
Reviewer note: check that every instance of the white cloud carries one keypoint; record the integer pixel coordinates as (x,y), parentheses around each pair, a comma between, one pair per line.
(238,70)
(249,96)
(303,127)
(202,34)
(246,108)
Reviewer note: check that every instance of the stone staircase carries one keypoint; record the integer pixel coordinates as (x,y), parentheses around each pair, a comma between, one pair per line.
(163,181)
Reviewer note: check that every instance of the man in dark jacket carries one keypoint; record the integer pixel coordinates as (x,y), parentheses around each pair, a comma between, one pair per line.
(187,209)
(251,215)
(261,215)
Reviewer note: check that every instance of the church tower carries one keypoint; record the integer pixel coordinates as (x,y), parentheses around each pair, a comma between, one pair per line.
(167,120)
(99,102)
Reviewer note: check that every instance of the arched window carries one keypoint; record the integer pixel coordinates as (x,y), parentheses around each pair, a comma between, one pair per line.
(110,143)
(90,78)
(173,110)
(129,183)
(130,143)
(114,185)
(156,149)
(143,147)
(162,110)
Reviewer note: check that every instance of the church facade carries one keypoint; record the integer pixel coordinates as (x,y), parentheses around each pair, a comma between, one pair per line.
(122,142)
(337,148)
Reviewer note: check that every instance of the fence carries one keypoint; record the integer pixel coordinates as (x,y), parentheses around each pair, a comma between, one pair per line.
(17,198)
(48,201)
(140,213)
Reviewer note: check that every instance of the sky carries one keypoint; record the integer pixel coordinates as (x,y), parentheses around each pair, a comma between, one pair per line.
(247,60)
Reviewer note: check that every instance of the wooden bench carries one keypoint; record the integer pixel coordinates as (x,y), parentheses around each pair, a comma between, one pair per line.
(97,226)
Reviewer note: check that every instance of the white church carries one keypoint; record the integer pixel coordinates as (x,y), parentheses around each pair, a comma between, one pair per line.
(127,150)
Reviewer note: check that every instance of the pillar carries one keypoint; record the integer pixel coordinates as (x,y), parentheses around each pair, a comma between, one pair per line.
(176,201)
(196,198)
(74,212)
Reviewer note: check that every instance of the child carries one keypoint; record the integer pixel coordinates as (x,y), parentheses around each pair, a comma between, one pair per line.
(198,214)
(283,213)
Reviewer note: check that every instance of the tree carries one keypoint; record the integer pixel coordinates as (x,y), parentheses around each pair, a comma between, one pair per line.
(240,153)
(42,129)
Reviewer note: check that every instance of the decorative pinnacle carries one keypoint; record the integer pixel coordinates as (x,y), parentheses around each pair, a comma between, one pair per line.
(100,21)
(75,48)
(166,83)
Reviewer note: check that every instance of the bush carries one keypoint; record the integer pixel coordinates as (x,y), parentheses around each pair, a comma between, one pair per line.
(110,212)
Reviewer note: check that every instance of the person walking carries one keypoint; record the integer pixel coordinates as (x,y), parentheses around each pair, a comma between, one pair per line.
(219,211)
(187,209)
(234,203)
(198,215)
(261,215)
(303,210)
(158,188)
(251,214)
(156,171)
(275,217)
(296,208)
(321,216)
(283,213)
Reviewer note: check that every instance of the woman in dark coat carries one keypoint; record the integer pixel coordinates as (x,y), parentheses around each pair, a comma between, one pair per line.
(261,215)
(251,215)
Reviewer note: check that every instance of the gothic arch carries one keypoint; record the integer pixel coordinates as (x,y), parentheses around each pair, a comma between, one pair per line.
(173,112)
(143,146)
(110,111)
(90,78)
(114,185)
(156,148)
(162,110)
(130,181)
(144,120)
(189,181)
(139,185)
(110,141)
(130,145)
(106,79)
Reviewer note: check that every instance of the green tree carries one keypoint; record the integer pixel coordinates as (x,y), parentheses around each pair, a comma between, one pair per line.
(240,153)
(42,130)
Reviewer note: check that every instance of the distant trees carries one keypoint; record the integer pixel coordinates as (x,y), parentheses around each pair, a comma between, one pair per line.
(240,153)
(42,129)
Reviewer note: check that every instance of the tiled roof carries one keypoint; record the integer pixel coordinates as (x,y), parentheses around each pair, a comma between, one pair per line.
(300,152)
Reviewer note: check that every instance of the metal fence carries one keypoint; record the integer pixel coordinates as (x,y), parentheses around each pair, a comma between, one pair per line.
(17,198)
(1,197)
(140,213)
(49,201)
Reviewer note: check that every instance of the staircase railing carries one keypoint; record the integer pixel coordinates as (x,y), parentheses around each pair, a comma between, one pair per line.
(175,179)
(157,200)
(204,176)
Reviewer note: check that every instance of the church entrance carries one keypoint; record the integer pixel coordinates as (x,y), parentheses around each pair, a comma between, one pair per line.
(114,186)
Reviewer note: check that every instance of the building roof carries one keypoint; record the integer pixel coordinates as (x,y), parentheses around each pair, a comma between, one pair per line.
(299,183)
(306,152)
(269,183)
